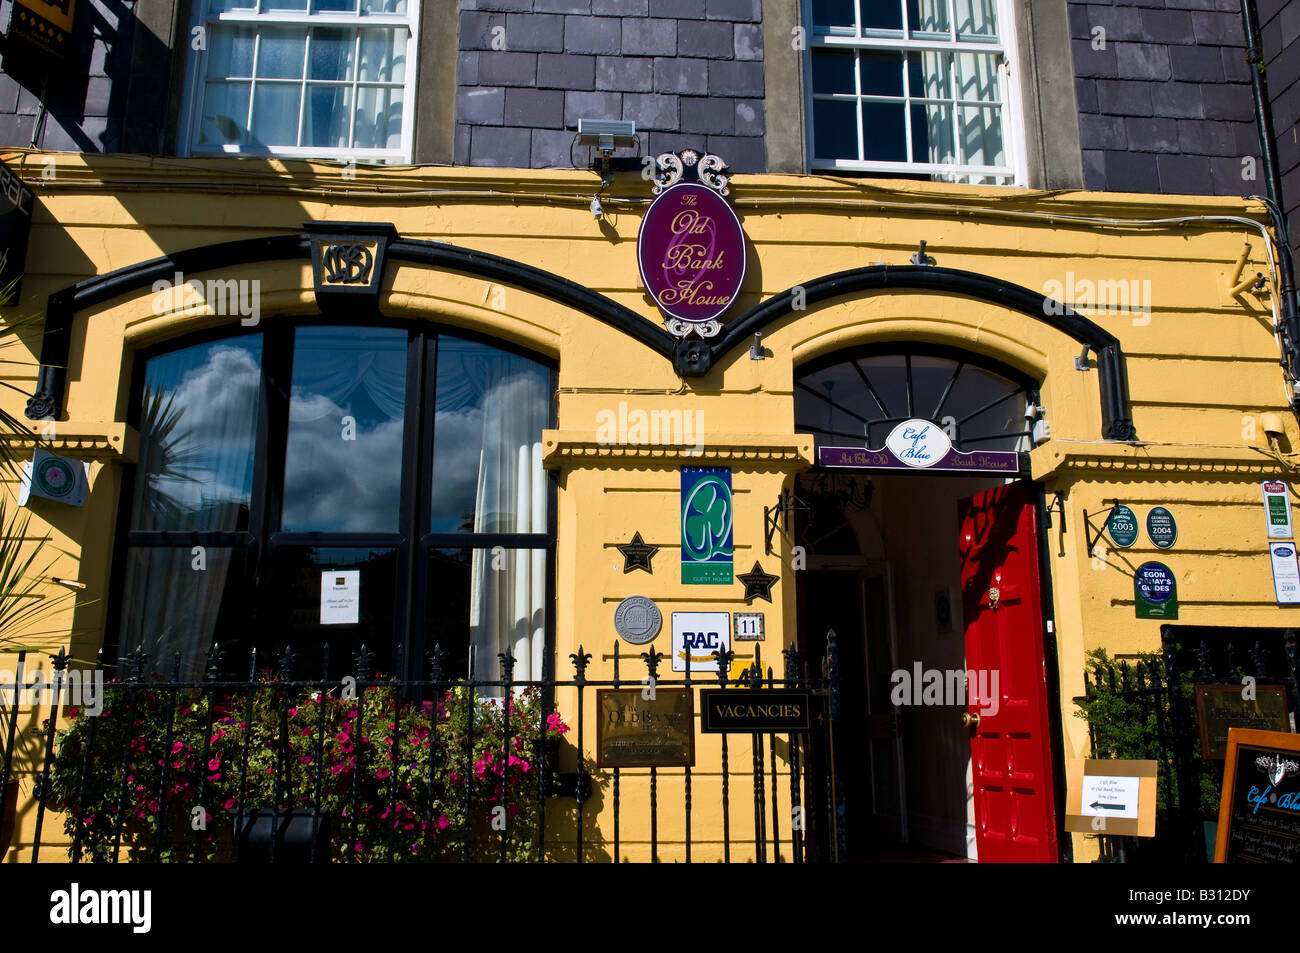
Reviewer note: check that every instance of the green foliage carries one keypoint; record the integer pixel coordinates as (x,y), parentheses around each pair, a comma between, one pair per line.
(400,780)
(1124,725)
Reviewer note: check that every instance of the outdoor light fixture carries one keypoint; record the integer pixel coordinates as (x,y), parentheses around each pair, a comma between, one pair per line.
(1272,424)
(606,135)
(597,210)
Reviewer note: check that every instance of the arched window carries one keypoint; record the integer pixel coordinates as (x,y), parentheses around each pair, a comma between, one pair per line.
(856,399)
(318,483)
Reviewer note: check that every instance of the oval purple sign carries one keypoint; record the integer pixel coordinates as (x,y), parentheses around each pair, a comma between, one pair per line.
(691,250)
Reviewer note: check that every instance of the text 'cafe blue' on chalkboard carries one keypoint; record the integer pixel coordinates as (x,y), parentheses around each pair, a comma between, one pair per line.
(1259,809)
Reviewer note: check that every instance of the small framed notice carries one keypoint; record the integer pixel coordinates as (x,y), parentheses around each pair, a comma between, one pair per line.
(1277,507)
(340,596)
(1105,796)
(1286,573)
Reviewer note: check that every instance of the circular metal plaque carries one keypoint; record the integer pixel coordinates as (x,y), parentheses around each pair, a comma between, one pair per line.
(637,619)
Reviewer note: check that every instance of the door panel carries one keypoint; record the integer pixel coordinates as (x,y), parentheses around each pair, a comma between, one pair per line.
(1015,803)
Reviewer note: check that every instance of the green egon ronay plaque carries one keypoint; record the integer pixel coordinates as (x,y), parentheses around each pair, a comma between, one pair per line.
(1122,526)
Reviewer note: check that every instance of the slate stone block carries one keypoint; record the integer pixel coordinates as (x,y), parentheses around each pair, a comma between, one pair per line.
(748,41)
(480,105)
(587,34)
(729,78)
(626,74)
(539,108)
(566,71)
(679,75)
(500,146)
(649,37)
(702,114)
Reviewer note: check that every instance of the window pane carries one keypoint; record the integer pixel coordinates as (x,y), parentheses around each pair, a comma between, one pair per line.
(171,604)
(977,77)
(198,429)
(325,120)
(881,14)
(343,467)
(929,75)
(478,610)
(320,591)
(280,53)
(882,74)
(832,72)
(884,137)
(268,5)
(331,53)
(334,6)
(491,407)
(383,6)
(928,16)
(225,113)
(275,115)
(932,133)
(383,56)
(230,51)
(976,19)
(220,6)
(830,13)
(379,118)
(835,129)
(980,133)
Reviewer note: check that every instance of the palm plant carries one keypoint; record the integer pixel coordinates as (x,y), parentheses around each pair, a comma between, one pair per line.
(168,456)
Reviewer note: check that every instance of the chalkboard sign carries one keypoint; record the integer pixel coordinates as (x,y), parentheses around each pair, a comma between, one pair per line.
(1259,810)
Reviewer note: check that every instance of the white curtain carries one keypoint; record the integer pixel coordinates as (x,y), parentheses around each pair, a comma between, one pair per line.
(198,428)
(954,134)
(508,587)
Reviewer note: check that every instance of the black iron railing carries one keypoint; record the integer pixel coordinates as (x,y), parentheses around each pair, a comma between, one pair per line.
(282,765)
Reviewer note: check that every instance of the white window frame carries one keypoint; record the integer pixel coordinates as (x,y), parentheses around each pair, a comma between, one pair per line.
(1013,114)
(196,69)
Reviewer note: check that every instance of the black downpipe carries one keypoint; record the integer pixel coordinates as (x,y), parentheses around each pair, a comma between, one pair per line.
(1273,179)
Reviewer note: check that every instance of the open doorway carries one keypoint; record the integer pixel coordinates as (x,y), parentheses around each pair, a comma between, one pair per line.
(922,536)
(884,572)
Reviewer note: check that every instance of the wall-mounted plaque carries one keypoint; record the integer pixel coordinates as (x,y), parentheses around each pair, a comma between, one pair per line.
(1155,591)
(706,517)
(633,731)
(1162,529)
(637,619)
(696,636)
(747,627)
(1277,508)
(1222,707)
(1122,526)
(1286,573)
(1259,807)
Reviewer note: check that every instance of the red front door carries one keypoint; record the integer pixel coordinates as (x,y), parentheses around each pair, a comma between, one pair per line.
(1011,761)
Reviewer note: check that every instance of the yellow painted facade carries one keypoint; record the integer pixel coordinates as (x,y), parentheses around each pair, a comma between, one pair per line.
(1202,368)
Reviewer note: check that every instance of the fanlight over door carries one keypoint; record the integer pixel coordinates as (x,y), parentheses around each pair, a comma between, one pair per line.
(858,398)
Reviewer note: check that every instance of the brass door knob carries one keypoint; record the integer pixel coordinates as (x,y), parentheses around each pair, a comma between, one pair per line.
(969,720)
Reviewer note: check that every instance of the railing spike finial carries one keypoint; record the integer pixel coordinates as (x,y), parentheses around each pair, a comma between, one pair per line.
(652,660)
(580,660)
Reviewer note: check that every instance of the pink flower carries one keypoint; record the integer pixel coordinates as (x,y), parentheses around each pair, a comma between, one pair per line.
(442,823)
(230,803)
(215,764)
